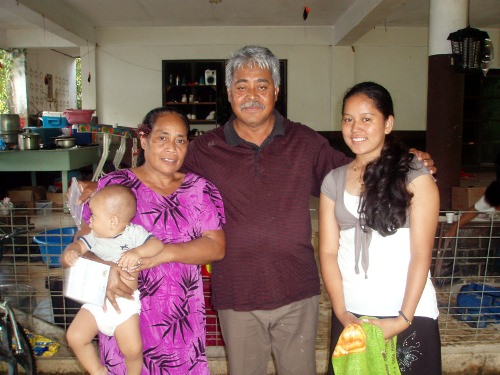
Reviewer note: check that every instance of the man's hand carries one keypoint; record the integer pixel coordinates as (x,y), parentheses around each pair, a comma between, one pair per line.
(426,158)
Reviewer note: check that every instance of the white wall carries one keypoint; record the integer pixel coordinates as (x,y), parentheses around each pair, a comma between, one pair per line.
(42,61)
(128,73)
(126,68)
(397,59)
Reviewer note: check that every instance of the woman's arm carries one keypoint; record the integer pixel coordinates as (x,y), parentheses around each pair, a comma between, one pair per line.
(329,234)
(424,213)
(210,247)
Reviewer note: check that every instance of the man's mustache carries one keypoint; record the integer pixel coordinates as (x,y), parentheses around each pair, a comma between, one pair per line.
(252,104)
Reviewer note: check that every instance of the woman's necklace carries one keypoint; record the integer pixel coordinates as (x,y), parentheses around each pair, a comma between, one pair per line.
(360,176)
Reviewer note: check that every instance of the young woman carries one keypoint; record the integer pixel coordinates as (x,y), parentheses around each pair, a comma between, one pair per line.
(378,217)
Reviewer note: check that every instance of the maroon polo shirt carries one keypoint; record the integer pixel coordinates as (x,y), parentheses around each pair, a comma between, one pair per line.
(266,191)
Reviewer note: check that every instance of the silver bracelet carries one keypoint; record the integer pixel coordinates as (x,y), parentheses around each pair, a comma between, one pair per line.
(408,321)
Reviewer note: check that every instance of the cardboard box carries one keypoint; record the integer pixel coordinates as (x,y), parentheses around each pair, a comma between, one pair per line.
(462,198)
(26,196)
(56,198)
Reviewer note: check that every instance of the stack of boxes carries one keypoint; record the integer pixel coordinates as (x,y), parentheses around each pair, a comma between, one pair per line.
(462,198)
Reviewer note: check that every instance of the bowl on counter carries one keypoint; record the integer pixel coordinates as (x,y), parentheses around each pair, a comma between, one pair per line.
(65,142)
(79,116)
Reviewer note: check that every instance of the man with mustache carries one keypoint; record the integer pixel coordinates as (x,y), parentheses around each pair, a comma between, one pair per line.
(266,167)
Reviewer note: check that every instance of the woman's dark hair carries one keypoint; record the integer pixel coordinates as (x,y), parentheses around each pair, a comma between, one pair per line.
(149,122)
(385,198)
(492,194)
(379,94)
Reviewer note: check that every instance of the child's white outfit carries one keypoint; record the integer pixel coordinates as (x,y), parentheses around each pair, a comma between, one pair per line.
(111,250)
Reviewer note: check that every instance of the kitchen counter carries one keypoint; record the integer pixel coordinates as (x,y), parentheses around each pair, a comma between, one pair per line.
(44,160)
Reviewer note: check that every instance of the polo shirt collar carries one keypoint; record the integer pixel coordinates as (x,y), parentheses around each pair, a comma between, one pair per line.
(233,139)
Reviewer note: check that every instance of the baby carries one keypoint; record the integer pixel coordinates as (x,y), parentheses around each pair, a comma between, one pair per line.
(114,239)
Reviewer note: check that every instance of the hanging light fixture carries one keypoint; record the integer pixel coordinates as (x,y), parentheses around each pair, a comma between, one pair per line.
(471,49)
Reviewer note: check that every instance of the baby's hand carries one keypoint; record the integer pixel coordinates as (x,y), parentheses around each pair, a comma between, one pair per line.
(129,261)
(71,256)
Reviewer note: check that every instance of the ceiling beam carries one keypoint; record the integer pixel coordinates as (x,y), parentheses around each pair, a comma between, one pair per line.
(55,17)
(360,18)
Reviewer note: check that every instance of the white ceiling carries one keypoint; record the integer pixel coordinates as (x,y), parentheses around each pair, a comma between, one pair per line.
(75,21)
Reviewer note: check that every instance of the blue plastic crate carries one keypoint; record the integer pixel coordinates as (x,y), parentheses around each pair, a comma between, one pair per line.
(54,122)
(478,304)
(53,242)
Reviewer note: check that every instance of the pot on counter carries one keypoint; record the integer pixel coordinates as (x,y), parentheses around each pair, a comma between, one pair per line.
(9,128)
(28,140)
(65,142)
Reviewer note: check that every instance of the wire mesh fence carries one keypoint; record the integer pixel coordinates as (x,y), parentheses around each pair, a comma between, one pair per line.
(31,277)
(466,274)
(465,271)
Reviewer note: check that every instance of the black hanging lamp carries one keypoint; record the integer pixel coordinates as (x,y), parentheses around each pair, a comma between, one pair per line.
(472,50)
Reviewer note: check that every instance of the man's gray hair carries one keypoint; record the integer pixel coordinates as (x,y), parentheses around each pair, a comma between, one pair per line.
(253,56)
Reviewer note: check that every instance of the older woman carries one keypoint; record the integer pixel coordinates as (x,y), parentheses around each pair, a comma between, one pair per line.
(185,212)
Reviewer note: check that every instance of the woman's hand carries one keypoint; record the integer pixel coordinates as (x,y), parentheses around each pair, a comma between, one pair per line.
(347,318)
(87,188)
(130,261)
(148,262)
(390,326)
(116,287)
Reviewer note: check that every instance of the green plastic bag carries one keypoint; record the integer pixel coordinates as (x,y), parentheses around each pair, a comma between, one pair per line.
(378,357)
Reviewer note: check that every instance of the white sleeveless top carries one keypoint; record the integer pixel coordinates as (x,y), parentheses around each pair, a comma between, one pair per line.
(379,291)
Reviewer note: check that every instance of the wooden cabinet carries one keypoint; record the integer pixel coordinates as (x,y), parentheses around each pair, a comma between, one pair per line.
(196,88)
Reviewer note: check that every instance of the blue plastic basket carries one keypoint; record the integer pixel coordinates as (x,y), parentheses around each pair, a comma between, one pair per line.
(53,242)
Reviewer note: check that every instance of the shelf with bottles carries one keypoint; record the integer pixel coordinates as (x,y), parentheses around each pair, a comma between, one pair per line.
(184,94)
(196,88)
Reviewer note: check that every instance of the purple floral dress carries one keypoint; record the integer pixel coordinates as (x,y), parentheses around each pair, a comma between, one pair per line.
(173,307)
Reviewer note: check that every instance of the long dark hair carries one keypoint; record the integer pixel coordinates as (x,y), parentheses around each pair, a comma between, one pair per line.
(385,198)
(149,122)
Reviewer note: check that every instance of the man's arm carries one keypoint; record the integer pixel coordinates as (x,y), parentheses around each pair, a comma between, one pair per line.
(465,217)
